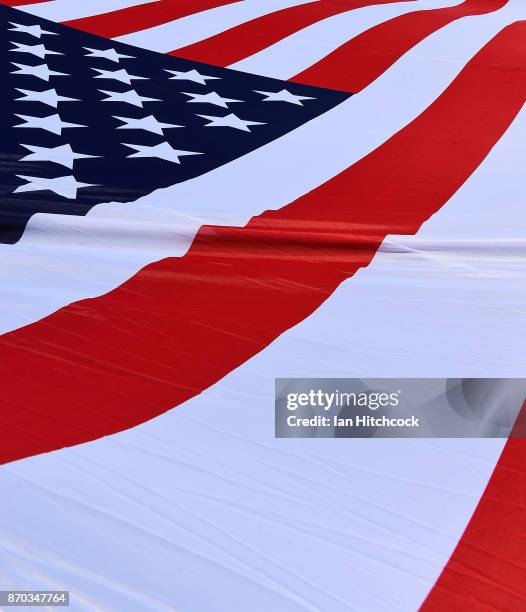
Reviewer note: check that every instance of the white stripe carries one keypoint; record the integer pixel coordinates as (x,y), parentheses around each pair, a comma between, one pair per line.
(188,30)
(206,495)
(64,10)
(304,48)
(63,258)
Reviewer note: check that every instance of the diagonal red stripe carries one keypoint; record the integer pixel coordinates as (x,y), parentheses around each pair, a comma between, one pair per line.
(21,2)
(142,17)
(363,59)
(487,571)
(242,41)
(105,364)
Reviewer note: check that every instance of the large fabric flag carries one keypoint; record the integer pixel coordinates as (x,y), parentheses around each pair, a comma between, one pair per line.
(199,197)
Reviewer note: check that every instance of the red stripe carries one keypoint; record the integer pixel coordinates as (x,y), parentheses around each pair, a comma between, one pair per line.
(101,365)
(488,568)
(363,59)
(244,40)
(21,2)
(142,17)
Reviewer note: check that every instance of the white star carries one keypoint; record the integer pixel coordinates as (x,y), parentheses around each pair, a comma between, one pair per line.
(52,123)
(65,186)
(49,97)
(33,30)
(162,151)
(149,124)
(231,120)
(41,71)
(210,98)
(191,75)
(118,75)
(130,97)
(38,50)
(109,54)
(63,154)
(283,96)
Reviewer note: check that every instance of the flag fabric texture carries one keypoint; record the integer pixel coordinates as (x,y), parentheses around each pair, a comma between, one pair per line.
(199,197)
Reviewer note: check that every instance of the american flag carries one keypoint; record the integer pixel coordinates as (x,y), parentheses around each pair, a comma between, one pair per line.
(199,197)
